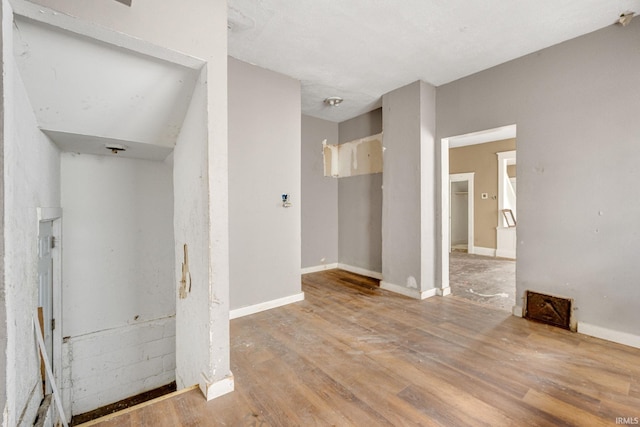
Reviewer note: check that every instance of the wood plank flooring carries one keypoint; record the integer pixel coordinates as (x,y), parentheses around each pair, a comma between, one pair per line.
(352,354)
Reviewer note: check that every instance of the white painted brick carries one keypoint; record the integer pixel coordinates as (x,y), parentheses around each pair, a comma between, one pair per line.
(159,348)
(92,345)
(159,380)
(169,363)
(170,328)
(131,360)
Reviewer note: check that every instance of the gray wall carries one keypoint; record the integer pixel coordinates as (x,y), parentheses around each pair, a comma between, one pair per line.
(360,203)
(319,195)
(576,106)
(3,313)
(408,228)
(264,163)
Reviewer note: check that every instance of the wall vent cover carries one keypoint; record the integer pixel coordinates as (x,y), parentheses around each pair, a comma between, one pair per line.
(548,309)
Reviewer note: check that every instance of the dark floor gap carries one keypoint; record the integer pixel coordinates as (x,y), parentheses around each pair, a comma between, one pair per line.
(123,404)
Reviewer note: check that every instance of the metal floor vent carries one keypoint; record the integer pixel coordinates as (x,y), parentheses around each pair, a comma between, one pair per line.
(548,309)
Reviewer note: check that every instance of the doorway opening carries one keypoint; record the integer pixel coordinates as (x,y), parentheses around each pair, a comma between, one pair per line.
(476,189)
(461,196)
(50,288)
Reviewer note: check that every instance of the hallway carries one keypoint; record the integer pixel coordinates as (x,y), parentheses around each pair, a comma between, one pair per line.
(485,280)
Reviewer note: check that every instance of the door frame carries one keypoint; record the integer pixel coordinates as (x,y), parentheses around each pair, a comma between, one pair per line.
(55,215)
(469,178)
(494,134)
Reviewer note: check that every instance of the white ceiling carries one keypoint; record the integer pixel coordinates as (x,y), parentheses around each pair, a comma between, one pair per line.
(362,49)
(86,94)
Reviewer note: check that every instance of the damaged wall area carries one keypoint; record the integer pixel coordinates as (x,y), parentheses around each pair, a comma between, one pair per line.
(360,203)
(31,179)
(118,277)
(35,182)
(359,157)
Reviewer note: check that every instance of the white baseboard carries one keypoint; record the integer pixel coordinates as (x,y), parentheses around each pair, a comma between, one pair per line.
(267,305)
(361,271)
(217,389)
(609,334)
(409,292)
(317,268)
(479,250)
(511,254)
(517,311)
(443,292)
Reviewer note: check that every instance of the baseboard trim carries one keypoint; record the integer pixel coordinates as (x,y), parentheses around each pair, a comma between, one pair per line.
(609,334)
(409,292)
(317,268)
(263,306)
(218,388)
(361,271)
(479,250)
(517,311)
(506,254)
(443,292)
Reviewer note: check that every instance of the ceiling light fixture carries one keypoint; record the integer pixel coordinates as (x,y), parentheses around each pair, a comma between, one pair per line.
(333,101)
(115,148)
(626,18)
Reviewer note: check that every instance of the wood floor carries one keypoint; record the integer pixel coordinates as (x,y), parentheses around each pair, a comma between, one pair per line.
(354,355)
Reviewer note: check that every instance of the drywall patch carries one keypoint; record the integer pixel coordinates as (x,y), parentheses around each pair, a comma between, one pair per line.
(358,157)
(412,283)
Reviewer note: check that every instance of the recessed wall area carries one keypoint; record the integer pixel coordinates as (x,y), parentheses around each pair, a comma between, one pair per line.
(87,93)
(342,210)
(117,305)
(118,294)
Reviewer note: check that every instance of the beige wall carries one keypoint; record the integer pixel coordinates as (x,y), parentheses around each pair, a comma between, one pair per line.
(482,160)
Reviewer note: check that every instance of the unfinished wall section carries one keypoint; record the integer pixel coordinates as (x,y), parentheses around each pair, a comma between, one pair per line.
(408,210)
(118,293)
(199,30)
(193,343)
(31,179)
(360,205)
(575,105)
(319,198)
(264,163)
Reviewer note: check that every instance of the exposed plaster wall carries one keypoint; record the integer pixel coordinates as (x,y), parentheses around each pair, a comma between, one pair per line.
(118,276)
(195,349)
(264,163)
(358,157)
(31,179)
(319,196)
(575,105)
(196,28)
(360,203)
